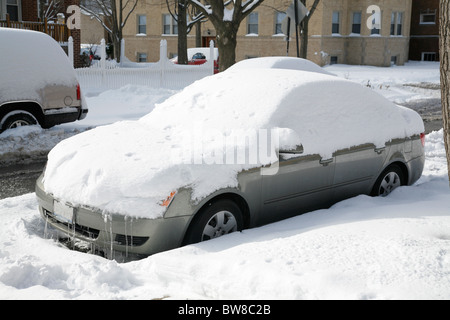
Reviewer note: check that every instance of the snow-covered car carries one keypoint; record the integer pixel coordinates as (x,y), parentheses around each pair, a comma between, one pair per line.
(235,150)
(38,85)
(198,56)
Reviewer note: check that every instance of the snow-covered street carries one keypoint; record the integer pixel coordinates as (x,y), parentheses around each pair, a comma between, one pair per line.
(396,247)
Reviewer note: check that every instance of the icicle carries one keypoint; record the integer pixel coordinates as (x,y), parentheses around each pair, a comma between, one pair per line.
(109,230)
(126,236)
(131,236)
(45,227)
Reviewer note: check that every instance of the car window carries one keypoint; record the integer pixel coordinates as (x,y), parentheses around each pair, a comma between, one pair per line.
(199,55)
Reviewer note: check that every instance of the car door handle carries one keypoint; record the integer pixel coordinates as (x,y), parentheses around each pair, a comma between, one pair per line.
(380,150)
(325,162)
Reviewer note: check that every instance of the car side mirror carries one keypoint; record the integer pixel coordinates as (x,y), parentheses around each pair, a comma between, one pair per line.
(297,150)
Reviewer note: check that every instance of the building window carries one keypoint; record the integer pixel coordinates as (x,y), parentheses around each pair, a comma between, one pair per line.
(356,24)
(142,24)
(141,57)
(396,23)
(12,8)
(252,23)
(170,25)
(333,60)
(335,22)
(279,17)
(428,17)
(375,30)
(429,56)
(376,24)
(393,60)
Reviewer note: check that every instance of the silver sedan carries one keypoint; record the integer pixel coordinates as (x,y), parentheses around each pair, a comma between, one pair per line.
(338,140)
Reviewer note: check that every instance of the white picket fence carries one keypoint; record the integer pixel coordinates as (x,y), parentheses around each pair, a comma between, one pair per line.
(162,74)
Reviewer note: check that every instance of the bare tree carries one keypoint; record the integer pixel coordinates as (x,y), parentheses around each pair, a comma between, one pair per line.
(113,15)
(226,16)
(445,72)
(49,9)
(180,10)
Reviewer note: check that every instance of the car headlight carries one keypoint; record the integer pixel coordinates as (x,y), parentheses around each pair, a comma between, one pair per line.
(168,200)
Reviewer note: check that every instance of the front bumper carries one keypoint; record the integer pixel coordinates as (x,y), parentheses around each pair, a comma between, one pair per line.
(113,231)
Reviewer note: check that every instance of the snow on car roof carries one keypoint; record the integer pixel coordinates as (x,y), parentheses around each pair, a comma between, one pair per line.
(279,63)
(30,61)
(129,166)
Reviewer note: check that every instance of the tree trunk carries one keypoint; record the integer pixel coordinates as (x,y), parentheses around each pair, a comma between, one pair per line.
(182,32)
(116,36)
(304,38)
(198,34)
(445,72)
(226,44)
(304,28)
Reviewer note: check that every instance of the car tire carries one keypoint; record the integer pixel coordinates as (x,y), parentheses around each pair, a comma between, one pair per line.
(214,220)
(391,178)
(17,119)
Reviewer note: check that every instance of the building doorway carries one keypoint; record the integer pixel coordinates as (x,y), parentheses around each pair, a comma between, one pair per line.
(207,40)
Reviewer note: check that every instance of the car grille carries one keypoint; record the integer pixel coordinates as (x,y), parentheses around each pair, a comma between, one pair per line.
(130,240)
(82,230)
(120,239)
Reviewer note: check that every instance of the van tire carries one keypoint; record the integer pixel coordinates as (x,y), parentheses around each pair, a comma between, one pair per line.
(16,119)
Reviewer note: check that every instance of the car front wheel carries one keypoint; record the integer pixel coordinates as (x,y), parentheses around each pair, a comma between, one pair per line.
(390,179)
(216,219)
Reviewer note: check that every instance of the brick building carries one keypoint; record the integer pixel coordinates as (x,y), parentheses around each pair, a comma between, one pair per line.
(28,11)
(19,10)
(424,42)
(338,32)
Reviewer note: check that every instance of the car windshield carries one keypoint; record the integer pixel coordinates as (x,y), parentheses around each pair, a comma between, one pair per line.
(198,55)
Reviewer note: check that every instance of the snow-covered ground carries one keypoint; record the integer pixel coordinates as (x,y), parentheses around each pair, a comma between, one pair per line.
(400,84)
(396,247)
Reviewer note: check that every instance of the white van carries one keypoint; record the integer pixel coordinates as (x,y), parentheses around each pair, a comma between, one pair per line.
(38,85)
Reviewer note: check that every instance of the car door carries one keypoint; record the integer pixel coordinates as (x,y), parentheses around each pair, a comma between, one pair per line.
(302,183)
(356,169)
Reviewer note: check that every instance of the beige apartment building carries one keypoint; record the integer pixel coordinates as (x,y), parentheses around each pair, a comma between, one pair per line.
(367,32)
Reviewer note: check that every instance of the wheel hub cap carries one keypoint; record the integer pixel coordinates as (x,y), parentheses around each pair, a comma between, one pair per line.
(221,223)
(389,183)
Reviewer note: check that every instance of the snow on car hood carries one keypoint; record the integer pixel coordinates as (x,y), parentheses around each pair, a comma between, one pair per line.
(130,166)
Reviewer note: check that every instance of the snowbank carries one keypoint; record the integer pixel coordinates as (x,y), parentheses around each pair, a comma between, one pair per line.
(140,162)
(362,248)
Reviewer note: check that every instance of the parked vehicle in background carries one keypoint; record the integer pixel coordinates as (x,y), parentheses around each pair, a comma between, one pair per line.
(88,55)
(198,56)
(38,85)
